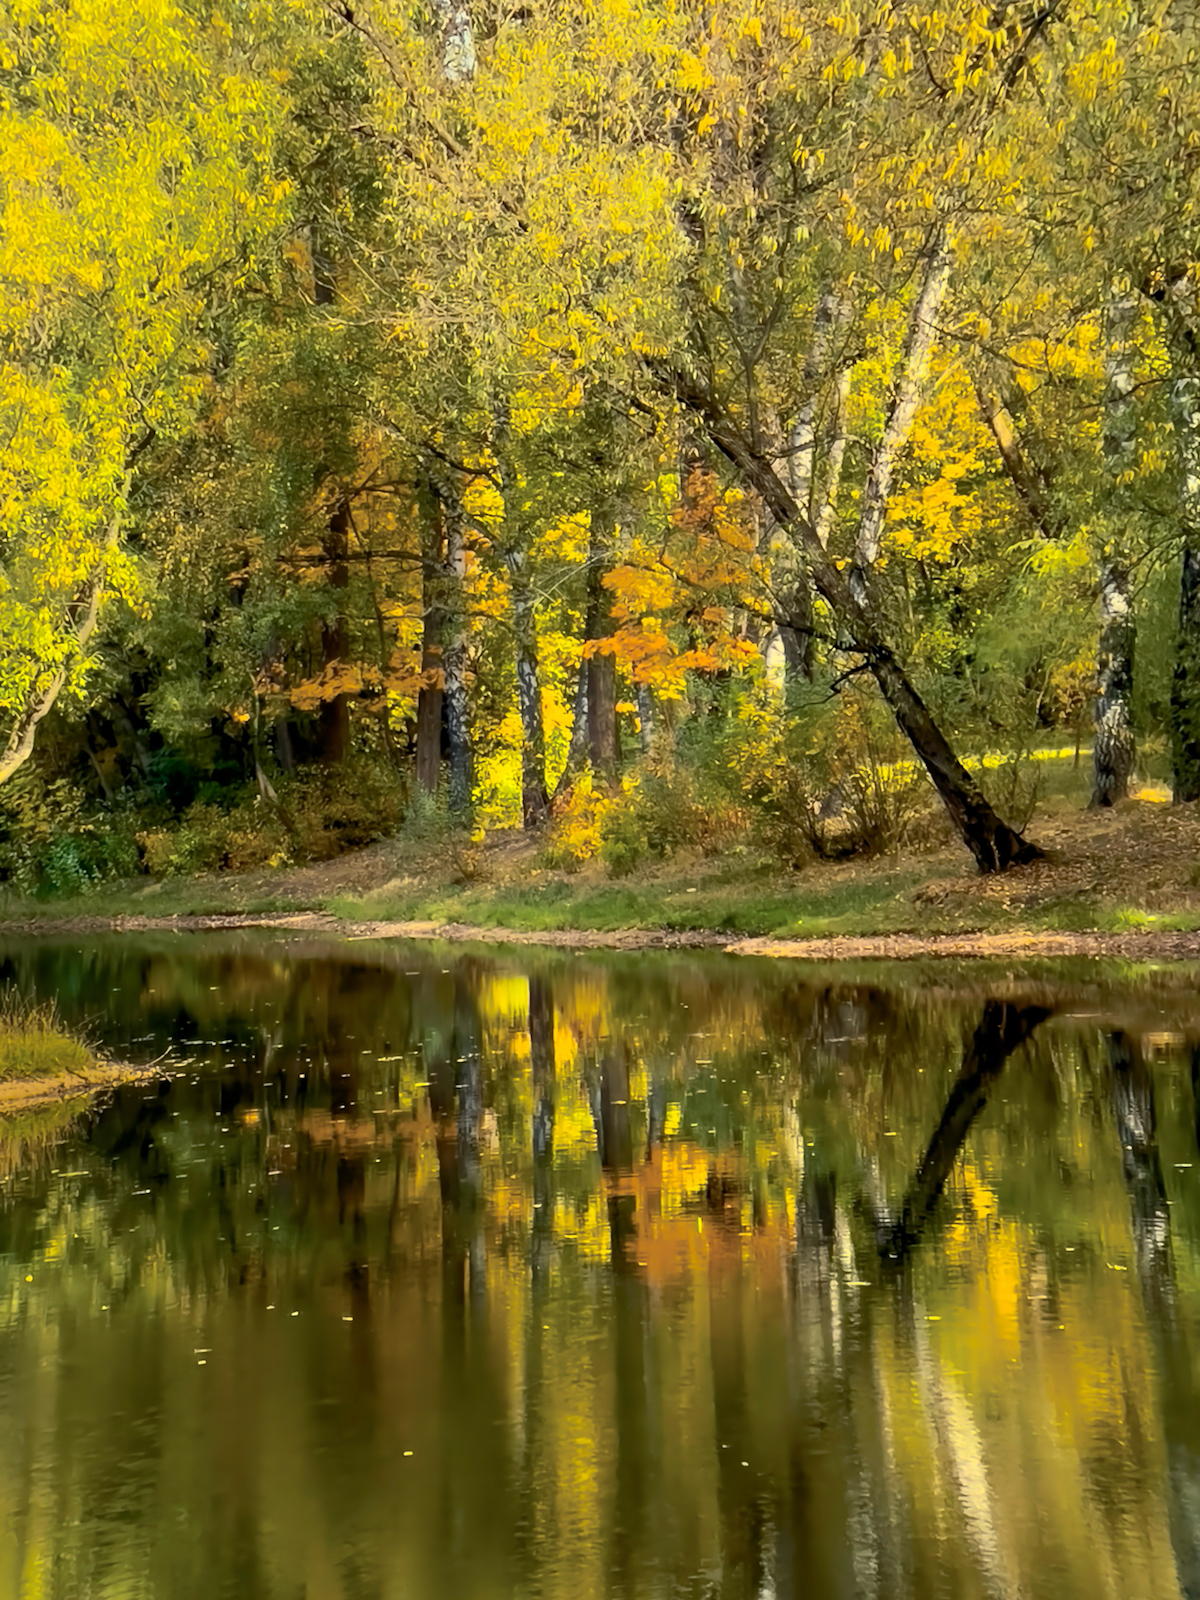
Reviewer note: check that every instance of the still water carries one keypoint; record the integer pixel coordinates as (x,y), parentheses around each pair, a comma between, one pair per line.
(452,1275)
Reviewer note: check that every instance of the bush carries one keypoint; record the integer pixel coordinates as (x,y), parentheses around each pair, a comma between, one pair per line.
(1013,787)
(576,832)
(319,813)
(673,805)
(825,779)
(208,839)
(52,841)
(333,809)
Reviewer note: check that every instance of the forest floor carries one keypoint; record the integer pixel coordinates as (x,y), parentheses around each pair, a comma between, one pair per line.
(1124,881)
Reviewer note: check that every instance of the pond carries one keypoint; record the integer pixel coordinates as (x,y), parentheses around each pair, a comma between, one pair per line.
(451,1274)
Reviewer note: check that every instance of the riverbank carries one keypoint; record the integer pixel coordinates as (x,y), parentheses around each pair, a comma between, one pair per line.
(74,1089)
(1124,882)
(44,1064)
(1135,945)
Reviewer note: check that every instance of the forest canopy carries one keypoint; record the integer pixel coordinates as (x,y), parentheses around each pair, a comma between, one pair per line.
(640,421)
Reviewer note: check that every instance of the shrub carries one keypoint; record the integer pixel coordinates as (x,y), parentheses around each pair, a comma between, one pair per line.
(575,833)
(673,805)
(1013,786)
(329,810)
(825,779)
(209,839)
(318,813)
(52,841)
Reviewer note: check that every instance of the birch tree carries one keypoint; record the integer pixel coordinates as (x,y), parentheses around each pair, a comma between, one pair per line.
(1114,749)
(685,265)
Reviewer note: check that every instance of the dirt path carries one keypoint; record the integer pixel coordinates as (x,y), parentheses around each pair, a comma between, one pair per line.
(1148,945)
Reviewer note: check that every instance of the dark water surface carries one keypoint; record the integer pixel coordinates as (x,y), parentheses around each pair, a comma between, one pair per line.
(452,1275)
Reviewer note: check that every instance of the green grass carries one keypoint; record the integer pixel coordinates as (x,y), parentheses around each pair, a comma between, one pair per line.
(170,897)
(728,902)
(34,1044)
(1133,920)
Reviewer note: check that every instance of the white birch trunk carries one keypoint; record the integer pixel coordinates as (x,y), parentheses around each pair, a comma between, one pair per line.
(914,367)
(788,648)
(1113,748)
(458,41)
(647,716)
(826,504)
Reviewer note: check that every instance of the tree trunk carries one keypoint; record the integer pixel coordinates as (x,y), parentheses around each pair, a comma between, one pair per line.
(792,645)
(577,749)
(429,712)
(461,755)
(603,741)
(906,400)
(604,748)
(284,754)
(646,716)
(334,718)
(1185,683)
(458,40)
(535,800)
(428,762)
(1185,677)
(999,402)
(1113,749)
(994,844)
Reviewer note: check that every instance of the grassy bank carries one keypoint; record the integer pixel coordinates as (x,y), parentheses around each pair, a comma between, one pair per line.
(1136,867)
(48,1075)
(35,1046)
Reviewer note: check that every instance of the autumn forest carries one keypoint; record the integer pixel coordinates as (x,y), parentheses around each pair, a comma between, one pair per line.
(642,423)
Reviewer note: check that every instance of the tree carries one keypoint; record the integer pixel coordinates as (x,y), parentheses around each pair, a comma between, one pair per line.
(754,199)
(120,213)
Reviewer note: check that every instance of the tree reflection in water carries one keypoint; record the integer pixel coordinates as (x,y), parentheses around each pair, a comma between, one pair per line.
(466,1274)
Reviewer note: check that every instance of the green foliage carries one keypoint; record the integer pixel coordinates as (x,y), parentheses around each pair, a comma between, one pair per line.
(274,293)
(318,814)
(209,838)
(55,840)
(1014,787)
(674,805)
(134,177)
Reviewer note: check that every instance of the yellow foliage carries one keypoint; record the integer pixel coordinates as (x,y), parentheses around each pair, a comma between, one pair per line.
(579,821)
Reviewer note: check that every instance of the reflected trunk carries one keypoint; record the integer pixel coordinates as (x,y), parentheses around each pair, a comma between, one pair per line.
(1002,1029)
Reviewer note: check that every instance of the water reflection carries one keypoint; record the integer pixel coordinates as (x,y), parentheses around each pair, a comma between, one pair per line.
(429,1274)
